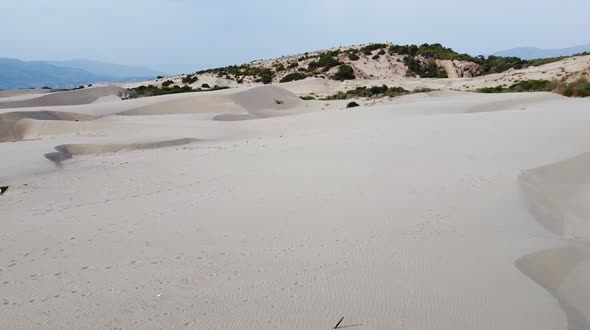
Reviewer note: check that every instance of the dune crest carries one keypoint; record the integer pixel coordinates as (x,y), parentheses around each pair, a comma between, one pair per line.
(263,102)
(74,97)
(14,125)
(558,196)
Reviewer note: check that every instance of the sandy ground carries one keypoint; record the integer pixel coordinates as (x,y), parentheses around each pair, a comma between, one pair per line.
(447,210)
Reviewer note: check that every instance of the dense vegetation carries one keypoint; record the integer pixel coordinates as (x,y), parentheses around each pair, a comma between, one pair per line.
(579,88)
(522,86)
(375,91)
(190,79)
(345,72)
(425,69)
(293,77)
(420,60)
(489,65)
(151,90)
(260,74)
(325,62)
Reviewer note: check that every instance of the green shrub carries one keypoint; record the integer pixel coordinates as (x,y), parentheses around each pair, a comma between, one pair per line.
(266,77)
(352,105)
(374,91)
(427,69)
(167,83)
(491,90)
(353,57)
(151,90)
(293,77)
(280,67)
(190,79)
(579,88)
(293,65)
(345,72)
(423,90)
(376,57)
(372,47)
(533,86)
(522,86)
(205,86)
(326,61)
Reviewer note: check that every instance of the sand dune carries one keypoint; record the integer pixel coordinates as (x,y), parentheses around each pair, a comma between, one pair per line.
(559,196)
(263,102)
(14,125)
(564,273)
(75,97)
(403,213)
(21,92)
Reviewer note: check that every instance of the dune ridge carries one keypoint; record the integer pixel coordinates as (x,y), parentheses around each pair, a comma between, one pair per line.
(14,125)
(558,196)
(74,97)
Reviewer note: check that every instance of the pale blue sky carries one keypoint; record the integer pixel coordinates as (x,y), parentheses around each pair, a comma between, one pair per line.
(184,35)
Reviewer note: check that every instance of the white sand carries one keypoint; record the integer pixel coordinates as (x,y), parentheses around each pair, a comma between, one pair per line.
(427,212)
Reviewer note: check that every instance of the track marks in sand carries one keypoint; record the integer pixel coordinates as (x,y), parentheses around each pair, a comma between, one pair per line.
(67,151)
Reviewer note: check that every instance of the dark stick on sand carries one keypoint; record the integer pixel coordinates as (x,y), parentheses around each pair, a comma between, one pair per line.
(338,324)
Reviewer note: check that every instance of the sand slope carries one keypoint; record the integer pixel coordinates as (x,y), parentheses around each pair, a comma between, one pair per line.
(75,97)
(409,214)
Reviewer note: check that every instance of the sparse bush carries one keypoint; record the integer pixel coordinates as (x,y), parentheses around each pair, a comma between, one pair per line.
(345,72)
(376,57)
(205,86)
(167,83)
(352,105)
(293,65)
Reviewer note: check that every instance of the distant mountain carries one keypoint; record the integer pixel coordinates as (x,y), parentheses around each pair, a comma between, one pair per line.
(529,53)
(15,73)
(108,69)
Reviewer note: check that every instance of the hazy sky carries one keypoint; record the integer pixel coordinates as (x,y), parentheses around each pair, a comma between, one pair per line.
(186,35)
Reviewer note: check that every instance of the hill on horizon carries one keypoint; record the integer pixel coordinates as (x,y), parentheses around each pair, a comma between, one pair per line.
(529,53)
(15,73)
